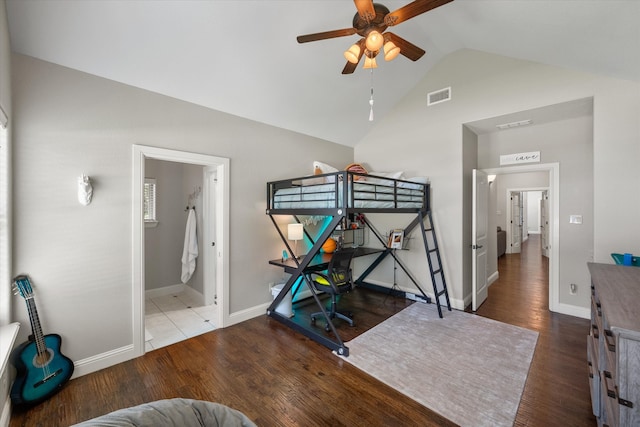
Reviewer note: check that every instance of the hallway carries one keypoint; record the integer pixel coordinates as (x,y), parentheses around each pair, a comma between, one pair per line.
(521,294)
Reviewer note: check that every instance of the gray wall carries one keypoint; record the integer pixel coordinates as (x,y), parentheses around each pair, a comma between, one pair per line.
(80,257)
(164,243)
(428,141)
(5,180)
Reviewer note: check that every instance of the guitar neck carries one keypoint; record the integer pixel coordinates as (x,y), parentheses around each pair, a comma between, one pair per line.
(36,328)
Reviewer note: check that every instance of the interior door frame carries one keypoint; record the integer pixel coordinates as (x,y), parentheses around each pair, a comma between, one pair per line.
(219,252)
(553,169)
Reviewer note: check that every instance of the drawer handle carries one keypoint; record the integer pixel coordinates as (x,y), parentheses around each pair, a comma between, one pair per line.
(590,369)
(609,338)
(596,333)
(611,392)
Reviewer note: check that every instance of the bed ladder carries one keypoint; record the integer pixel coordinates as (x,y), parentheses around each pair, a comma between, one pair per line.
(433,256)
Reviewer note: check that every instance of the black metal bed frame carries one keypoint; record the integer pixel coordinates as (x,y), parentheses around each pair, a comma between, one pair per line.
(342,206)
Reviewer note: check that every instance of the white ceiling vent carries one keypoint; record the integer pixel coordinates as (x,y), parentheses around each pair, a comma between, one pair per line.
(439,96)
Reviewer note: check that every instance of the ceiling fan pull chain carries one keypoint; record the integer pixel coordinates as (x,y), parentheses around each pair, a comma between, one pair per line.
(371,99)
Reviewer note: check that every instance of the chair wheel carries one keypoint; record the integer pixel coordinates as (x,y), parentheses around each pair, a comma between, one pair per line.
(327,328)
(313,320)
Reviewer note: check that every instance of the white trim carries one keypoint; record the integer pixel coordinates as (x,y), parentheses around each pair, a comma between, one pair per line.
(574,310)
(554,234)
(495,276)
(104,360)
(221,165)
(165,290)
(248,313)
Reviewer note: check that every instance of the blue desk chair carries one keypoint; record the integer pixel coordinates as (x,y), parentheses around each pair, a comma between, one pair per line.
(335,281)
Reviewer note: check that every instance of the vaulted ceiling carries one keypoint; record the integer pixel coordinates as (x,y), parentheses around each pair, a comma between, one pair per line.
(242,58)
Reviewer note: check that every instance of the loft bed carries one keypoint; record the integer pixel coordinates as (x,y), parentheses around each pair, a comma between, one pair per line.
(356,192)
(344,196)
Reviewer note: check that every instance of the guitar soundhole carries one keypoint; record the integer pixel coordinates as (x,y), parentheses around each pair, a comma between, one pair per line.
(42,359)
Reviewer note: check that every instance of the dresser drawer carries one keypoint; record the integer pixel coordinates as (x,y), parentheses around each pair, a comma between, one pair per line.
(594,375)
(609,397)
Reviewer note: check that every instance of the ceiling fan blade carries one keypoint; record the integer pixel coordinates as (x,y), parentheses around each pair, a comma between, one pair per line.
(350,67)
(326,35)
(365,9)
(414,8)
(407,49)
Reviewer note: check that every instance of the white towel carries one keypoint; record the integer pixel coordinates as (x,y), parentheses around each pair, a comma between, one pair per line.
(190,250)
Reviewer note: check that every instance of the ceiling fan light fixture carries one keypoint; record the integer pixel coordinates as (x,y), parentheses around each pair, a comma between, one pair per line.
(374,41)
(390,51)
(370,62)
(353,54)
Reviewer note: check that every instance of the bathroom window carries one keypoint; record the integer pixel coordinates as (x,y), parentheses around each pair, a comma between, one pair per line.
(150,218)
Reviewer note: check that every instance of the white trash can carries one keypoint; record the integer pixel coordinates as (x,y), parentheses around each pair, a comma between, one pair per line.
(284,307)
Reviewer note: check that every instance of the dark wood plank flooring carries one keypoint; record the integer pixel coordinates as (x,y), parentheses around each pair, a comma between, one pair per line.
(278,377)
(557,388)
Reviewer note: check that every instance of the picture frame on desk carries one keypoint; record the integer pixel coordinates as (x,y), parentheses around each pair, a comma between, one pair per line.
(396,238)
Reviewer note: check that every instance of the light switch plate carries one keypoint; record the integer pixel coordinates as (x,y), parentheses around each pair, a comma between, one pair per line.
(575,219)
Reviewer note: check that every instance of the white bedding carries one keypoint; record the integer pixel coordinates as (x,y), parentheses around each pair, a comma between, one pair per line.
(374,193)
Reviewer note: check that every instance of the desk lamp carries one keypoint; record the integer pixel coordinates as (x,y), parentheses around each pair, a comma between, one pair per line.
(295,232)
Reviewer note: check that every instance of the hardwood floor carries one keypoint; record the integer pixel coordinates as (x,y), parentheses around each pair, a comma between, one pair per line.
(557,388)
(278,377)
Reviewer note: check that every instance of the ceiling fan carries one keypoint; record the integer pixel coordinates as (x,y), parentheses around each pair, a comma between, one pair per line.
(370,22)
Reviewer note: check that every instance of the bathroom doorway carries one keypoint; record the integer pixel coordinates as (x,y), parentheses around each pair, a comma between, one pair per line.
(213,197)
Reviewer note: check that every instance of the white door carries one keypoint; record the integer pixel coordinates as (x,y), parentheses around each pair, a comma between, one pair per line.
(544,223)
(210,287)
(516,222)
(479,230)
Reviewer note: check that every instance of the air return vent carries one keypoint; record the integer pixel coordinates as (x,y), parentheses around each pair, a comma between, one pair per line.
(439,96)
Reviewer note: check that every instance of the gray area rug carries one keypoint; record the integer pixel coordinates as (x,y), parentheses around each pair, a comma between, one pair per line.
(467,368)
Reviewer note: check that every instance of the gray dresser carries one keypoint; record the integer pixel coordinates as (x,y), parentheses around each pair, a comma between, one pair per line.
(613,344)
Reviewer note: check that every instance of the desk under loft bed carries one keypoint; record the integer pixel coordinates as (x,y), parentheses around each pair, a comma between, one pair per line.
(339,197)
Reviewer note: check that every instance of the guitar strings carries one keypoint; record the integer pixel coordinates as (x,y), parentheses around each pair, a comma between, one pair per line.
(41,347)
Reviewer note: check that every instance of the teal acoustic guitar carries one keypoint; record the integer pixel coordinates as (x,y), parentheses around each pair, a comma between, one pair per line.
(41,368)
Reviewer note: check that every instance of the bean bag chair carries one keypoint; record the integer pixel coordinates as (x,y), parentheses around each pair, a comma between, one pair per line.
(172,413)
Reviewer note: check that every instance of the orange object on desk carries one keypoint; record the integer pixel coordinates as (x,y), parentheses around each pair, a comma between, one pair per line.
(329,246)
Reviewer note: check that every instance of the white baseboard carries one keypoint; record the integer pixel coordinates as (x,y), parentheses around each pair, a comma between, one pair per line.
(103,360)
(573,310)
(492,278)
(166,290)
(173,289)
(248,313)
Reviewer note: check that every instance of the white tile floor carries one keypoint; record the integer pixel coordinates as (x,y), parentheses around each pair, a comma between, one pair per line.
(176,317)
